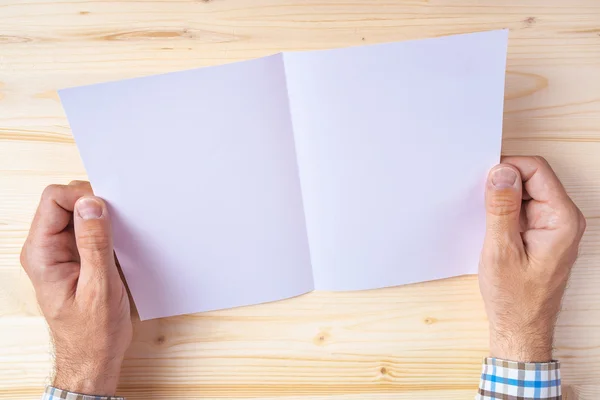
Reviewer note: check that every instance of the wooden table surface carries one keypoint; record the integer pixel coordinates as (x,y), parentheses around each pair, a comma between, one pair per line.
(422,341)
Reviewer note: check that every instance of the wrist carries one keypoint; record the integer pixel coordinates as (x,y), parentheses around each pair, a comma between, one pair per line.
(521,346)
(98,377)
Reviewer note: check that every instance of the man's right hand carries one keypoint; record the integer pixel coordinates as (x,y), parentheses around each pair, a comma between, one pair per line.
(532,239)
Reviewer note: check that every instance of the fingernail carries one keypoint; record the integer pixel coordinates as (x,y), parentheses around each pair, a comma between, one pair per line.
(89,208)
(503,178)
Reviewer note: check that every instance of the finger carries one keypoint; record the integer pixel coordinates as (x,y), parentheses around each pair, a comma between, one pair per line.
(78,182)
(523,220)
(56,207)
(94,239)
(539,180)
(84,184)
(503,207)
(566,224)
(51,262)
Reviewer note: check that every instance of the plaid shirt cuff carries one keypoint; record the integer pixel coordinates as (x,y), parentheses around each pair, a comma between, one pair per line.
(510,380)
(52,393)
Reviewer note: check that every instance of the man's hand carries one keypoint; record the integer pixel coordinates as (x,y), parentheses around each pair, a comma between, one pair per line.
(532,238)
(69,258)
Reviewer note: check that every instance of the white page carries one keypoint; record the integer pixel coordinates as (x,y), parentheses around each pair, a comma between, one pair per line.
(200,173)
(394,143)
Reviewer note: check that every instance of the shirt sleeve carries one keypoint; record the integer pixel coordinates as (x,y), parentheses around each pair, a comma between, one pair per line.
(512,380)
(52,393)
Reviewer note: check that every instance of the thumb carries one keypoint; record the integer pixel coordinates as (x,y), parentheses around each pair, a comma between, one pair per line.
(93,237)
(503,197)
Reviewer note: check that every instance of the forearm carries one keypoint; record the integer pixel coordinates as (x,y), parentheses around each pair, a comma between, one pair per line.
(86,374)
(84,380)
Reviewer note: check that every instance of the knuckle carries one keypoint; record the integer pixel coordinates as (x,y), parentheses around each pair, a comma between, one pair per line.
(581,223)
(576,221)
(541,160)
(504,203)
(51,191)
(23,256)
(79,182)
(94,238)
(82,186)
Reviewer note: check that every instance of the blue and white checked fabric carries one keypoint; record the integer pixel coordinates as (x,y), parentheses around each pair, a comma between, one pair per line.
(510,380)
(52,393)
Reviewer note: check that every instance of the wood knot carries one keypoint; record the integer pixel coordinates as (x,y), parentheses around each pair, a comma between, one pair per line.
(7,39)
(429,321)
(161,340)
(529,21)
(84,12)
(321,339)
(383,371)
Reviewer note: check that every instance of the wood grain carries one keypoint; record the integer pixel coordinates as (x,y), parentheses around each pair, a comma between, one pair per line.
(421,341)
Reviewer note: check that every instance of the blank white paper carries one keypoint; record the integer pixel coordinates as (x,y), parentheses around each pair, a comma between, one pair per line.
(200,173)
(227,183)
(394,143)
